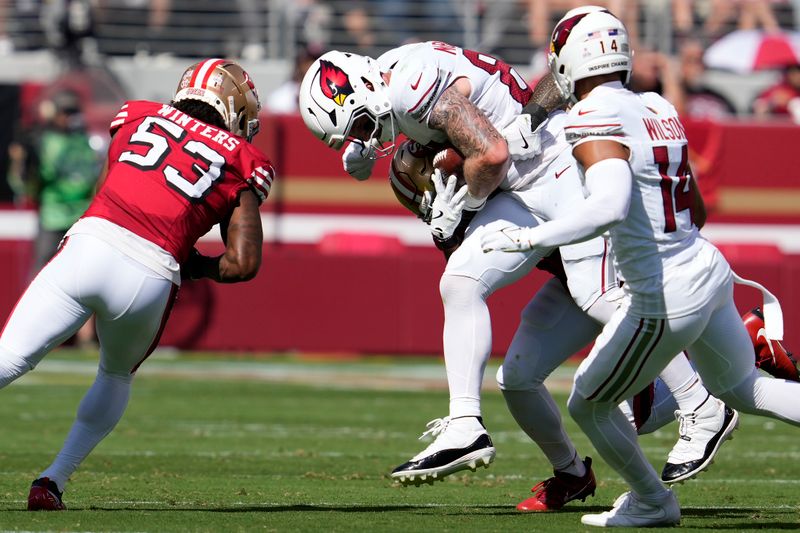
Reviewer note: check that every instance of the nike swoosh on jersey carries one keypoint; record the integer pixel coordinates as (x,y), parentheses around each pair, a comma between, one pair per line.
(582,112)
(558,174)
(416,84)
(524,140)
(763,333)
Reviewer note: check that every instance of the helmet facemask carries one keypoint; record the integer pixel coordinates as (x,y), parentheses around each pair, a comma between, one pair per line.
(344,97)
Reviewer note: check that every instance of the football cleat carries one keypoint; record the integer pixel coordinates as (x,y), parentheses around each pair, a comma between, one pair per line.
(45,496)
(629,511)
(702,432)
(460,444)
(551,494)
(771,356)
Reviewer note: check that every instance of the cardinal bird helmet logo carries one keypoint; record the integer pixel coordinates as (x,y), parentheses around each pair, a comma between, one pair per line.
(334,82)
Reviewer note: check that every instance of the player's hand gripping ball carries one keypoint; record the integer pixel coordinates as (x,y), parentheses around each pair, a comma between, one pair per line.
(411,170)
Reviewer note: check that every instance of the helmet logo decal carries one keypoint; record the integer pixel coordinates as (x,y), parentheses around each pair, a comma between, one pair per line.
(562,32)
(334,82)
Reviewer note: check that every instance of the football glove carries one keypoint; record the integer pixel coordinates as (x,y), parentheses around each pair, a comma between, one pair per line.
(192,268)
(524,141)
(508,239)
(358,159)
(447,206)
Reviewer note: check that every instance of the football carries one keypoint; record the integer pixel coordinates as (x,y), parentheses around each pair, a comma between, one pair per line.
(449,161)
(410,174)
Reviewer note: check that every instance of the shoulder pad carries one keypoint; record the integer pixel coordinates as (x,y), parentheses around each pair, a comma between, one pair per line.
(593,118)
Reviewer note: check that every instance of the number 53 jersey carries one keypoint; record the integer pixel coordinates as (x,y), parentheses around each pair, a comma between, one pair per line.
(668,268)
(171,177)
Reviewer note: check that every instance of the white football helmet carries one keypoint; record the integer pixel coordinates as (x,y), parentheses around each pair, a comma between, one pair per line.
(588,41)
(343,96)
(225,86)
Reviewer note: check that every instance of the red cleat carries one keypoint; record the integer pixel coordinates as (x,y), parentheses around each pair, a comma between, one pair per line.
(45,496)
(552,494)
(771,356)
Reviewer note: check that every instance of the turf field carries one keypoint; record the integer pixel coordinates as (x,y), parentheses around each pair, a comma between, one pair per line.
(287,444)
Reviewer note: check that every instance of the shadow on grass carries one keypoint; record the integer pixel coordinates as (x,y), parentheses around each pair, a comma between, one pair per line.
(741,519)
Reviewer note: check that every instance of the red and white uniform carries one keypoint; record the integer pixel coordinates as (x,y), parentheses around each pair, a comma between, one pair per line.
(658,251)
(170,179)
(533,191)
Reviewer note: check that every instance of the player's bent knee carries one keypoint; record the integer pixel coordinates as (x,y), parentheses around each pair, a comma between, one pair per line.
(455,289)
(513,375)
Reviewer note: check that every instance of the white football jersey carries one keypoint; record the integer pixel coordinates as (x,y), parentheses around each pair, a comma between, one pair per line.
(421,72)
(668,268)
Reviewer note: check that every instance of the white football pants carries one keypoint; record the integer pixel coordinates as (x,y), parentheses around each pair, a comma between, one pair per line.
(131,304)
(631,351)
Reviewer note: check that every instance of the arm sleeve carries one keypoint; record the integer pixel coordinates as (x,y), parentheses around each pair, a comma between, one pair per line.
(609,183)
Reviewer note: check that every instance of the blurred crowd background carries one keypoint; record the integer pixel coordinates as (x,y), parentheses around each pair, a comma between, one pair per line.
(684,48)
(714,59)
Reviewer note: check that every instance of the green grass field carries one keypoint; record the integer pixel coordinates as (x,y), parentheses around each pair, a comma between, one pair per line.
(281,444)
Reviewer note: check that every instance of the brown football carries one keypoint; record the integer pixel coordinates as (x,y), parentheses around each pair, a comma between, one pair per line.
(449,161)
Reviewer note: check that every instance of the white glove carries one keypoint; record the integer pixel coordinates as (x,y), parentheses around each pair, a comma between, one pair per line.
(358,159)
(523,142)
(508,239)
(446,207)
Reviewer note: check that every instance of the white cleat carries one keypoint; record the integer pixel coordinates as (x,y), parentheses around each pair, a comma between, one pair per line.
(460,444)
(629,511)
(702,432)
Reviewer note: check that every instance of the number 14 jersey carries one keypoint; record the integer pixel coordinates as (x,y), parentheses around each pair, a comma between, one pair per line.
(668,268)
(171,177)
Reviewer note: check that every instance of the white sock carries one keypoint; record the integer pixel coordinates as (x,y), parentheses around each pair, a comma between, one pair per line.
(684,383)
(99,411)
(467,341)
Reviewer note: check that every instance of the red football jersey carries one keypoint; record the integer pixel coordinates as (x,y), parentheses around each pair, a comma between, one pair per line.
(172,177)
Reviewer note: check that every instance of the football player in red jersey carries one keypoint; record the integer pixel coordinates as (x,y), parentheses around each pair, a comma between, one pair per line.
(173,172)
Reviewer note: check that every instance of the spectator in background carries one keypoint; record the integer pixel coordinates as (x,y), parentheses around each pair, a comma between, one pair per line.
(57,168)
(751,14)
(781,99)
(283,100)
(154,15)
(69,26)
(695,99)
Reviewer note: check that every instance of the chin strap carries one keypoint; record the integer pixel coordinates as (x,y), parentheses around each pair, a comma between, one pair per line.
(773,315)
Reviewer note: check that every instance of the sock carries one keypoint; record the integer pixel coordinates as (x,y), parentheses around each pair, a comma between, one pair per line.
(685,384)
(467,341)
(99,411)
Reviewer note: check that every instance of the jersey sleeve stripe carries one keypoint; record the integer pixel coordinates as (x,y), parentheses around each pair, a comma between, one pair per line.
(436,81)
(593,126)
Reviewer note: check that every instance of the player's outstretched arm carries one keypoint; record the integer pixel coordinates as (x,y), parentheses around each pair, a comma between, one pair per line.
(608,180)
(485,151)
(244,240)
